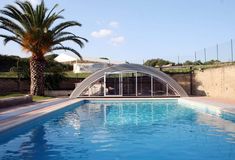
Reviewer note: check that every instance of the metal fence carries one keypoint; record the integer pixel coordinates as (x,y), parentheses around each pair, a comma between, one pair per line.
(223,52)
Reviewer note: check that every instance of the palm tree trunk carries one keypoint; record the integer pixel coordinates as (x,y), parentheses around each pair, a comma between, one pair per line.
(37,68)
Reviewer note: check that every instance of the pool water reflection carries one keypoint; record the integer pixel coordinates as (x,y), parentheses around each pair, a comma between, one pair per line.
(125,130)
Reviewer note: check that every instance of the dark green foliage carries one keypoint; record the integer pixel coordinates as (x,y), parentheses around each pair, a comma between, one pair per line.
(54,66)
(15,64)
(6,62)
(52,80)
(54,70)
(193,63)
(211,62)
(198,62)
(188,63)
(157,62)
(22,67)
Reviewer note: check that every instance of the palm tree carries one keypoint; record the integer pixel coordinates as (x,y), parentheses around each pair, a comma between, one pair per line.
(35,30)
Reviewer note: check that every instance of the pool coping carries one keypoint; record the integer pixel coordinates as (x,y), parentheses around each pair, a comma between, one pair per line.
(25,117)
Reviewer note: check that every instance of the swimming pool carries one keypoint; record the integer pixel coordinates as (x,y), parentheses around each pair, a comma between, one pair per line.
(121,130)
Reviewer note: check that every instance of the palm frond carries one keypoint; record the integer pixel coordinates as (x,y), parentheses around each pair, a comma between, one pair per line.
(10,38)
(60,34)
(11,25)
(9,30)
(69,38)
(60,27)
(68,49)
(35,30)
(17,15)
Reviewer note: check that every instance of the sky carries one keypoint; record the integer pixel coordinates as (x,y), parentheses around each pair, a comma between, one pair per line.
(137,30)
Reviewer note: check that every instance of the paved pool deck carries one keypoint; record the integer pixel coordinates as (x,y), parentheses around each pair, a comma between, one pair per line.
(13,116)
(227,105)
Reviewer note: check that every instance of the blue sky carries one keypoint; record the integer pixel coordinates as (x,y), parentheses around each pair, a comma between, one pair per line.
(137,30)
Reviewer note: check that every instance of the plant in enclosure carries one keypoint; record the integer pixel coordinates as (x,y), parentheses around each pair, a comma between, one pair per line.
(35,30)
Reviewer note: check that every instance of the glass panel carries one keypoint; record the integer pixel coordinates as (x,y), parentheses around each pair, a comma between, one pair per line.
(125,84)
(171,91)
(144,84)
(129,84)
(85,92)
(113,86)
(159,87)
(97,88)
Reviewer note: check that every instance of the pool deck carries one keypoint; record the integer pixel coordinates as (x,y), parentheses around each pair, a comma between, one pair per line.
(13,116)
(227,105)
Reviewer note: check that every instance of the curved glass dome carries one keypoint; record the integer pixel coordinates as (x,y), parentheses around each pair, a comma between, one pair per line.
(128,80)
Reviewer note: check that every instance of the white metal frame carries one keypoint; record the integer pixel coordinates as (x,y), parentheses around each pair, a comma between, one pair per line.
(120,73)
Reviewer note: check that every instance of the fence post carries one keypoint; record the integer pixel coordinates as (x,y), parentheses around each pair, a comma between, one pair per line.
(205,53)
(217,52)
(191,80)
(232,50)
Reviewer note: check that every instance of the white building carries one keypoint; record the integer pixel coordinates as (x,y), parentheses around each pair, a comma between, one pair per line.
(88,65)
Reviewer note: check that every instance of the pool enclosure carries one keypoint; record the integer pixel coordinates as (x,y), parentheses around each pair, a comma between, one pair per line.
(128,80)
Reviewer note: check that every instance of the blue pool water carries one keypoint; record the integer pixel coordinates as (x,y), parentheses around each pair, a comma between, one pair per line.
(121,130)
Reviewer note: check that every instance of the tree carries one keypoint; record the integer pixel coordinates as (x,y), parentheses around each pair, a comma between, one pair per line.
(198,62)
(157,62)
(35,30)
(6,62)
(212,62)
(188,63)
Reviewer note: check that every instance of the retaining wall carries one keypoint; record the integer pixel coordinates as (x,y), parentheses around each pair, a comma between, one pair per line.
(215,82)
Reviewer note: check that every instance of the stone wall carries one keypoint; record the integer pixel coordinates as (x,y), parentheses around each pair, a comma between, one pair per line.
(13,85)
(184,80)
(69,84)
(215,82)
(8,85)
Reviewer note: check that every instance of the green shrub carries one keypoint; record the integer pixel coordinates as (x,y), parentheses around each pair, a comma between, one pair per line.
(157,62)
(6,62)
(52,80)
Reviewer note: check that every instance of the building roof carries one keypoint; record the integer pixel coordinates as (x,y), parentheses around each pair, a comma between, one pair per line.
(64,58)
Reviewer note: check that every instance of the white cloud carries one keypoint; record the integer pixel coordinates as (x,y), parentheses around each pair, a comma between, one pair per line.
(117,40)
(114,24)
(101,33)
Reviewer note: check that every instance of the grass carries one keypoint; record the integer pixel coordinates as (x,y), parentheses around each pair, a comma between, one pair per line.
(40,98)
(176,70)
(70,74)
(186,69)
(11,95)
(35,98)
(8,75)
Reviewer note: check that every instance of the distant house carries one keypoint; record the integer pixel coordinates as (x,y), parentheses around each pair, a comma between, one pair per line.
(88,65)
